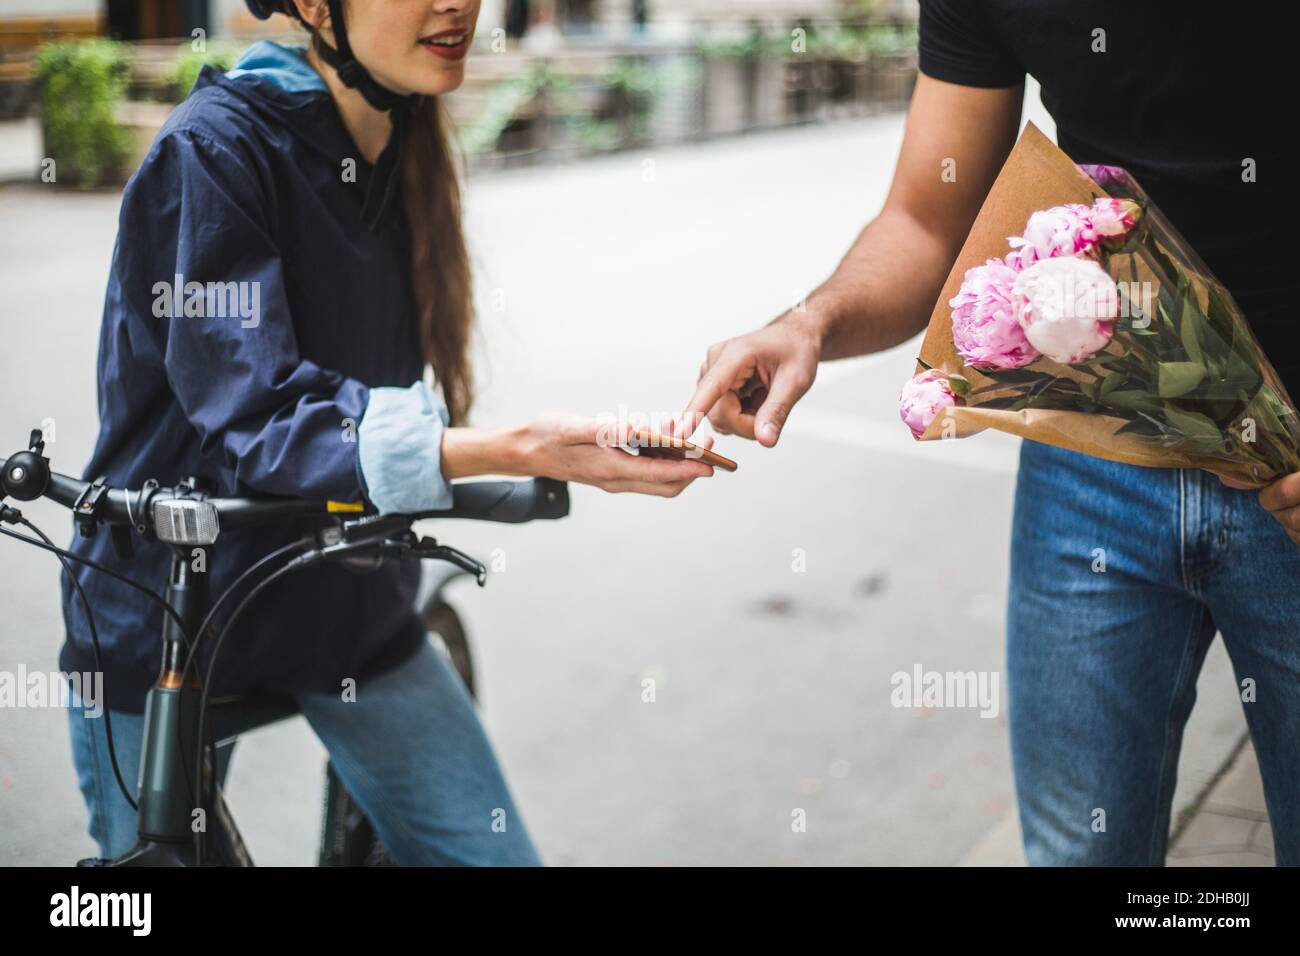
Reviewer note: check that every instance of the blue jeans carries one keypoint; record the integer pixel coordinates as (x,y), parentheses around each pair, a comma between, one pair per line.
(410,750)
(1120,577)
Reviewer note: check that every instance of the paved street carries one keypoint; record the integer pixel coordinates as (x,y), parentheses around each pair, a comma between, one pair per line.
(601,284)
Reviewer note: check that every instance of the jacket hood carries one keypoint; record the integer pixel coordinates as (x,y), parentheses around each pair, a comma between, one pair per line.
(283,65)
(275,79)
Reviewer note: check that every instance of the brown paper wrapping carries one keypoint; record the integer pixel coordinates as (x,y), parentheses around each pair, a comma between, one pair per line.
(1037,175)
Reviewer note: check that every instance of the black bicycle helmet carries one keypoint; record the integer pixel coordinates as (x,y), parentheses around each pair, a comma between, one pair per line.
(383,188)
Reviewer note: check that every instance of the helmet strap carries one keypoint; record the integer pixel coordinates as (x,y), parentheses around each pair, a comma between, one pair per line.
(387,171)
(351,73)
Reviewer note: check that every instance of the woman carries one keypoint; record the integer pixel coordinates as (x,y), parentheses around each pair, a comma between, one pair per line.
(289,258)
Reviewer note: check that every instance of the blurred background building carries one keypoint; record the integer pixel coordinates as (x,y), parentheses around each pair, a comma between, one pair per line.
(549,79)
(161,19)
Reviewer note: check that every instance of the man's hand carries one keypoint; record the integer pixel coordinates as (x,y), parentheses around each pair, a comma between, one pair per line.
(748,385)
(884,288)
(1281,499)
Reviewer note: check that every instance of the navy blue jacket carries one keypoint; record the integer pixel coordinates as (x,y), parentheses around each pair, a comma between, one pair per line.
(245,183)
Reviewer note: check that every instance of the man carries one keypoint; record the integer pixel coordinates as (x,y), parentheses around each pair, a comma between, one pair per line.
(1101,666)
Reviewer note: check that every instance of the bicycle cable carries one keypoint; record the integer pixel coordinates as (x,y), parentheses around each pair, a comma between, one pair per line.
(94,640)
(191,658)
(294,565)
(45,544)
(72,556)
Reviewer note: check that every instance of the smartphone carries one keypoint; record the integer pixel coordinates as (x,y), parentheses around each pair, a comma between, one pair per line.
(661,446)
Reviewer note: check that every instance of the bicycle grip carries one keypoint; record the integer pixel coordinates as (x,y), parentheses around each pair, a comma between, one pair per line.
(509,502)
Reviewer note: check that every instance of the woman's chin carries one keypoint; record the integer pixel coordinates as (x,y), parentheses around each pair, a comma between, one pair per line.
(422,76)
(439,79)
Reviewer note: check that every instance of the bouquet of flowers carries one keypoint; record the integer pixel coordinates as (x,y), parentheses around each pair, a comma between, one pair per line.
(1094,326)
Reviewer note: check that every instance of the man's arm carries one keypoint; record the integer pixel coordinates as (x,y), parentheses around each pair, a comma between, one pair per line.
(884,289)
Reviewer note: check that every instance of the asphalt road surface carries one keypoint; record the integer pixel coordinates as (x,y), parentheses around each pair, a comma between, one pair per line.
(770,607)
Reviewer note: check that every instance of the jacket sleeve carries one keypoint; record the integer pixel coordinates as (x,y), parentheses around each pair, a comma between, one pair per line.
(400,449)
(203,248)
(206,262)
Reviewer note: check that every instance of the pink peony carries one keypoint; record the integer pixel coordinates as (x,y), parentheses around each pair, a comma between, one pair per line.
(984,326)
(922,398)
(1073,230)
(1067,307)
(1114,218)
(1106,175)
(1060,231)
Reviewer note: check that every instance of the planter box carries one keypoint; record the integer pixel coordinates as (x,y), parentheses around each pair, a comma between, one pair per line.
(142,120)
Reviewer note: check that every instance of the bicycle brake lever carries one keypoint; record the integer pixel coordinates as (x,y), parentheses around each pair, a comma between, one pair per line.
(428,548)
(403,546)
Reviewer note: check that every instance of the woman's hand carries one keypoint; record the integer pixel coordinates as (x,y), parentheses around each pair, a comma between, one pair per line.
(568,448)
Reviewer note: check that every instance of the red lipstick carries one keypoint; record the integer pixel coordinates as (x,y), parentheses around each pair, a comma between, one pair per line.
(449,44)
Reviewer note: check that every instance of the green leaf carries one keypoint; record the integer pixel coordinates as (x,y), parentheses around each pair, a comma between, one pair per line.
(1267,410)
(1166,302)
(1216,310)
(1142,427)
(1014,376)
(1162,265)
(1192,424)
(1241,372)
(1223,392)
(1112,363)
(1132,398)
(1188,329)
(1178,378)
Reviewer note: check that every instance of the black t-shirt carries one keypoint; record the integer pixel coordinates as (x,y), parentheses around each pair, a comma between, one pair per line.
(1180,95)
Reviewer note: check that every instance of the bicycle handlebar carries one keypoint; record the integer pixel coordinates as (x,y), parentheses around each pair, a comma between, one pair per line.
(184,512)
(508,502)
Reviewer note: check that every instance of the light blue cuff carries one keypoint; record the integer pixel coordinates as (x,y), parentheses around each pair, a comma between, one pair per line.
(399,445)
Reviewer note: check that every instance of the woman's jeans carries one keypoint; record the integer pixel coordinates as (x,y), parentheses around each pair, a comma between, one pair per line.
(1120,577)
(409,749)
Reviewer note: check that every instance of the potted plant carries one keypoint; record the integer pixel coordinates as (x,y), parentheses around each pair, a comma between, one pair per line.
(81,87)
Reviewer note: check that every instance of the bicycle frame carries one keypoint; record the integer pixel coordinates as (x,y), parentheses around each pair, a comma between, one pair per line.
(168,820)
(172,819)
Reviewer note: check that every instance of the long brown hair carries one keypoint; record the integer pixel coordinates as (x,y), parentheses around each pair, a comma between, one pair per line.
(440,273)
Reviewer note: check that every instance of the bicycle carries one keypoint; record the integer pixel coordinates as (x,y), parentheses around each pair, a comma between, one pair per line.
(178,777)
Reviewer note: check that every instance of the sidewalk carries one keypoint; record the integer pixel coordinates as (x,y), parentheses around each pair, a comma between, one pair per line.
(20,149)
(1227,825)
